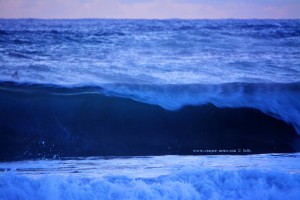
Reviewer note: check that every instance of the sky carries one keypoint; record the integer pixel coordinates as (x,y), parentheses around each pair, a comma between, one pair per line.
(151,9)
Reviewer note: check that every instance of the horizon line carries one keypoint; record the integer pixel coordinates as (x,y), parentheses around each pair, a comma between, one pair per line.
(112,18)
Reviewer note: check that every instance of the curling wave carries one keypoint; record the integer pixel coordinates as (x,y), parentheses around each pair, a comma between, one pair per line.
(114,120)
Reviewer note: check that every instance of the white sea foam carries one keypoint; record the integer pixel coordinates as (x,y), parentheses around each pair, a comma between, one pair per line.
(199,184)
(266,176)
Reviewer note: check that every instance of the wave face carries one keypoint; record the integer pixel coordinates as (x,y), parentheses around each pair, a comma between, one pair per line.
(47,121)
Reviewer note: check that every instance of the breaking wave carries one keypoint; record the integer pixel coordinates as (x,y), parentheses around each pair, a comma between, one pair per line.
(122,120)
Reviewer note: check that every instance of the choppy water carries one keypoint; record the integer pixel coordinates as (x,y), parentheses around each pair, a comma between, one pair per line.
(68,52)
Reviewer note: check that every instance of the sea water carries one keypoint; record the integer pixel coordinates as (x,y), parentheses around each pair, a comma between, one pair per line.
(125,90)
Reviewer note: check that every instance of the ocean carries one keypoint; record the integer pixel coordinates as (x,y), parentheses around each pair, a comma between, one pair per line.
(149,109)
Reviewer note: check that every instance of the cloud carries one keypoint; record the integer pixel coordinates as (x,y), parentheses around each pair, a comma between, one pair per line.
(149,9)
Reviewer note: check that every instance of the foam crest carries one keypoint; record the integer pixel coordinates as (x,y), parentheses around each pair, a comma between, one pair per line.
(277,100)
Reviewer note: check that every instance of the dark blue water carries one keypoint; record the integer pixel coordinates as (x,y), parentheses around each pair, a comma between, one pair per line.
(41,121)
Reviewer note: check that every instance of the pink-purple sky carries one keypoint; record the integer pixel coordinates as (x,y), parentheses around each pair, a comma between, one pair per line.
(154,9)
